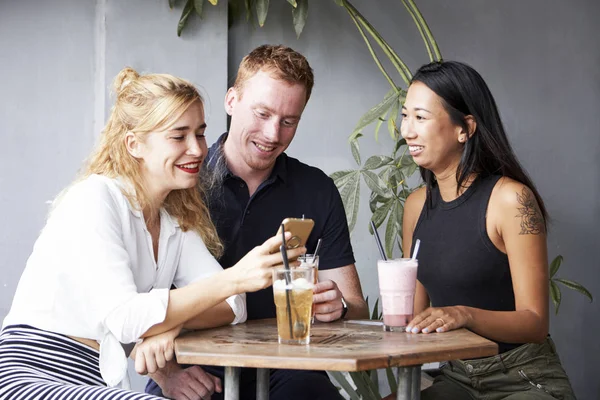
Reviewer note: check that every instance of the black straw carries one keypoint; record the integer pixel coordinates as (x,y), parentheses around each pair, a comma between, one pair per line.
(282,248)
(378,241)
(288,278)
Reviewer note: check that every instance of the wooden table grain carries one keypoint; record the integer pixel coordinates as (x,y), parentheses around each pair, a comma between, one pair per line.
(337,346)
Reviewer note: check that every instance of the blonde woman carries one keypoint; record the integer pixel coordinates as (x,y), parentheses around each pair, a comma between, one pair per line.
(100,273)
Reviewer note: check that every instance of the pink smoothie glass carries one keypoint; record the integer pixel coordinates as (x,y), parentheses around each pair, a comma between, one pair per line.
(397,283)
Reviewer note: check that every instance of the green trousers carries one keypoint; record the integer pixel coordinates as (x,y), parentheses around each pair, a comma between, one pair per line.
(531,371)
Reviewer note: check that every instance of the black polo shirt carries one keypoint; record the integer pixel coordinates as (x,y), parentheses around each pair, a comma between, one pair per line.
(292,190)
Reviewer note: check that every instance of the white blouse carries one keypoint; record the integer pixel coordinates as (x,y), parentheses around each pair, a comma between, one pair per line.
(93,274)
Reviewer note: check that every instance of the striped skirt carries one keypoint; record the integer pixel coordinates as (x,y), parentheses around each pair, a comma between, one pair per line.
(41,365)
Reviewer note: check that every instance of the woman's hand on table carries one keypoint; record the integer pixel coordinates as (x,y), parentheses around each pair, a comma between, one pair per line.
(439,319)
(153,352)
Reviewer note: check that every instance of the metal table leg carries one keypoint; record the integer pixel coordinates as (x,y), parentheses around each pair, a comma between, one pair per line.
(415,388)
(409,383)
(262,384)
(232,383)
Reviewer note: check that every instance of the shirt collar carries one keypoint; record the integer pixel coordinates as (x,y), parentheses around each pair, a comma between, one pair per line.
(279,170)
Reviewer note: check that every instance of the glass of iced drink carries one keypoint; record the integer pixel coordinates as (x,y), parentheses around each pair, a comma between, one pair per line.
(311,261)
(293,294)
(397,283)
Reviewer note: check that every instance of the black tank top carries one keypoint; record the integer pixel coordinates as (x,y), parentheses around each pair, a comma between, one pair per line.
(458,263)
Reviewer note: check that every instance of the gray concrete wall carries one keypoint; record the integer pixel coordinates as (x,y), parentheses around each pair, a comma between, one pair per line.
(540,59)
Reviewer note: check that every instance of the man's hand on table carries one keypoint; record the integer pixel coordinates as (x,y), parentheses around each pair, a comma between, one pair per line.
(328,301)
(191,383)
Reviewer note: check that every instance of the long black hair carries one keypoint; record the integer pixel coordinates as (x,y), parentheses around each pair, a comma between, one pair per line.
(487,151)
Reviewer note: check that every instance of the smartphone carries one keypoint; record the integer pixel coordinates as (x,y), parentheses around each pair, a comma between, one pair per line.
(300,229)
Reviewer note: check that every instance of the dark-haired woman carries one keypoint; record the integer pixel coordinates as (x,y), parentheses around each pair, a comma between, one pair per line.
(482,223)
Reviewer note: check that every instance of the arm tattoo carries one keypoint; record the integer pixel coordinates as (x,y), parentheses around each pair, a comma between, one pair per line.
(532,221)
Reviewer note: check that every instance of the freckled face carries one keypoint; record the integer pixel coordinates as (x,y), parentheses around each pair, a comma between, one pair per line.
(264,118)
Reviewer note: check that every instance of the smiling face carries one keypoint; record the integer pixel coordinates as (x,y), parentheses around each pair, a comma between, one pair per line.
(434,141)
(171,159)
(264,118)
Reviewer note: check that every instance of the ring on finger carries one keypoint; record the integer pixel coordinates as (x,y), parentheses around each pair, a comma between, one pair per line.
(441,320)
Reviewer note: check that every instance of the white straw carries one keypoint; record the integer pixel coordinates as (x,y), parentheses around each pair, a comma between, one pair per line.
(417,244)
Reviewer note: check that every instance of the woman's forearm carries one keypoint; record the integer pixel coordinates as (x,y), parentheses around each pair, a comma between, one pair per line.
(522,326)
(194,299)
(219,315)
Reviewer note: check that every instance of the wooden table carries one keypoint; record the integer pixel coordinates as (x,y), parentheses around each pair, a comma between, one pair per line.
(336,346)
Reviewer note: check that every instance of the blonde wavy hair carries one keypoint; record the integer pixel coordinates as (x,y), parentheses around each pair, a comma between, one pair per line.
(144,104)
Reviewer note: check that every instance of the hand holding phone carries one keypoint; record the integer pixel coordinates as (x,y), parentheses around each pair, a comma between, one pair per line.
(300,229)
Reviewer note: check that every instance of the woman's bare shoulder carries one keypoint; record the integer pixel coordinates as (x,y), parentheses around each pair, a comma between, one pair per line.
(414,204)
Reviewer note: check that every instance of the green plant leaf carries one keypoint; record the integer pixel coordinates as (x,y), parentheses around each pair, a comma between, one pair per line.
(399,143)
(400,65)
(375,313)
(354,136)
(575,286)
(392,117)
(360,25)
(391,231)
(404,161)
(555,265)
(355,150)
(411,169)
(378,111)
(262,8)
(399,214)
(397,177)
(340,178)
(374,382)
(198,5)
(343,382)
(393,384)
(293,3)
(248,4)
(376,184)
(380,121)
(374,201)
(432,48)
(384,173)
(555,295)
(187,10)
(171,4)
(363,385)
(372,206)
(299,14)
(392,180)
(381,213)
(375,162)
(351,197)
(213,2)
